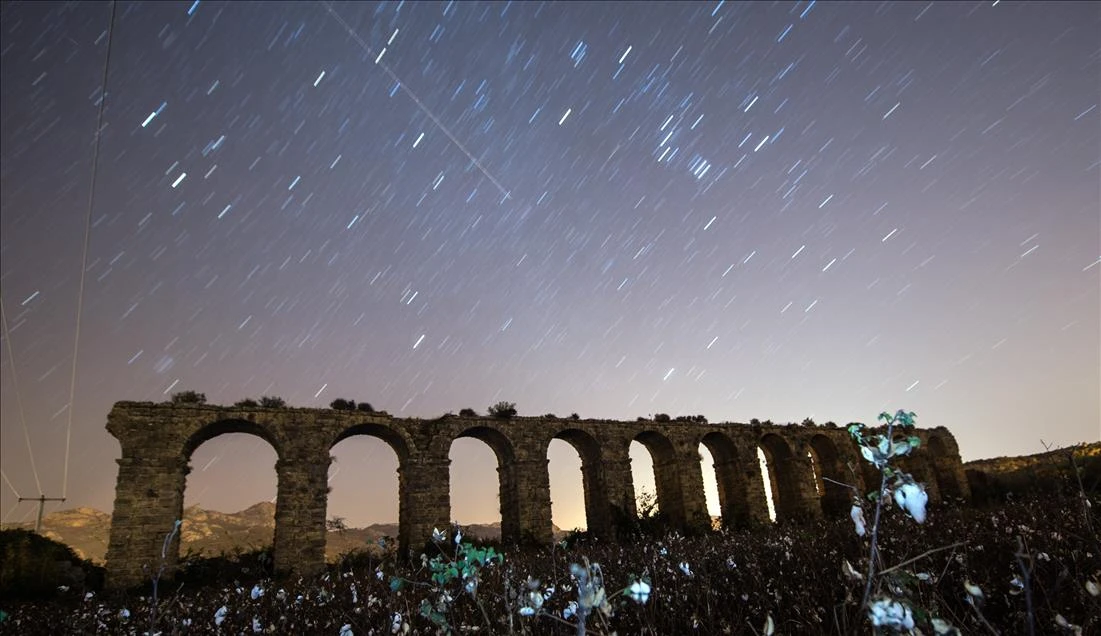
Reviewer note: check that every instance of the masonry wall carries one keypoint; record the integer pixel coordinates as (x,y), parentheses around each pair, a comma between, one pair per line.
(158,439)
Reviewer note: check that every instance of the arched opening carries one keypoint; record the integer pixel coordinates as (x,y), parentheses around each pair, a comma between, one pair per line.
(936,456)
(219,520)
(363,502)
(724,480)
(566,489)
(710,487)
(666,477)
(479,457)
(767,483)
(779,464)
(577,503)
(828,477)
(642,475)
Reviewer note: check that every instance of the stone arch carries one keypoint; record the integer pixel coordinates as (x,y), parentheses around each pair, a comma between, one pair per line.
(209,431)
(782,469)
(597,515)
(667,478)
(826,460)
(399,445)
(388,434)
(730,477)
(152,480)
(502,446)
(937,458)
(505,451)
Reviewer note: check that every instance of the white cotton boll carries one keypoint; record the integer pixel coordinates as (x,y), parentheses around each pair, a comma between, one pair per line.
(536,599)
(890,613)
(639,592)
(857,514)
(346,630)
(850,572)
(220,615)
(912,498)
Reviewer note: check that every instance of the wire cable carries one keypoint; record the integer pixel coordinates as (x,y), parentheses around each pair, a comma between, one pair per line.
(8,482)
(84,256)
(8,513)
(18,402)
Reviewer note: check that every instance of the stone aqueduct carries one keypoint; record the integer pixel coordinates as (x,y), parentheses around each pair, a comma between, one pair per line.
(158,439)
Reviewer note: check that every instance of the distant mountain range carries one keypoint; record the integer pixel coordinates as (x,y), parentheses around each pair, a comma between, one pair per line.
(213,533)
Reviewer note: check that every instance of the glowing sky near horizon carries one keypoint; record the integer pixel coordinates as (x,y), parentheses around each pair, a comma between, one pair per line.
(741,210)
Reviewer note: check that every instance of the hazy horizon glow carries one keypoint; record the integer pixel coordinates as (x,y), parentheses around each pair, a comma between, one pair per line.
(740,210)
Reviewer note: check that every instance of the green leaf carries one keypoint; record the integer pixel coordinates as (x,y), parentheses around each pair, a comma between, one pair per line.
(396,584)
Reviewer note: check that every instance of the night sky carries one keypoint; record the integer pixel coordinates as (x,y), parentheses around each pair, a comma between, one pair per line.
(771,211)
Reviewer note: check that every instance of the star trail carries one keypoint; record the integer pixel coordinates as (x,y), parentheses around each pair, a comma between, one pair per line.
(741,210)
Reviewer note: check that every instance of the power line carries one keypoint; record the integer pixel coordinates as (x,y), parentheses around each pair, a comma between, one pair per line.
(8,482)
(4,519)
(416,100)
(18,401)
(84,256)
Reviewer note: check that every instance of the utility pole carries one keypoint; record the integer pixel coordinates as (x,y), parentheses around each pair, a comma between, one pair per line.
(41,499)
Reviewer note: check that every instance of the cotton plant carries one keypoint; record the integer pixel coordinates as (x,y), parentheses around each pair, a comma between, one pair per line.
(593,599)
(460,569)
(587,578)
(155,575)
(883,450)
